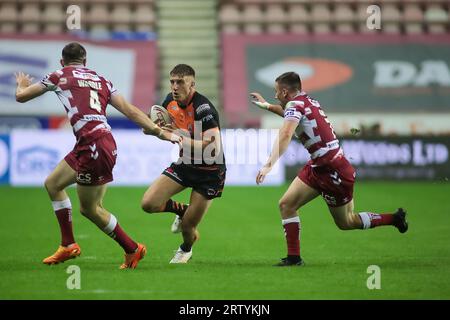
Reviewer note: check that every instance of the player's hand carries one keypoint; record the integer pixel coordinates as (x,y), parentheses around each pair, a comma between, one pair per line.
(259,101)
(170,136)
(158,122)
(23,80)
(262,174)
(170,127)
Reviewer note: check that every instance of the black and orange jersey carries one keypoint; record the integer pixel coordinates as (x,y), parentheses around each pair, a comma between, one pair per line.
(198,109)
(198,115)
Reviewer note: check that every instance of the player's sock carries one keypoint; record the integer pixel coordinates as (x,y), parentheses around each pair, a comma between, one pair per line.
(292,233)
(63,211)
(114,230)
(185,247)
(372,220)
(176,207)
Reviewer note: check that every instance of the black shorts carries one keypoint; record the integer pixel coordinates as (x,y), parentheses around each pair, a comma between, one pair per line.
(208,182)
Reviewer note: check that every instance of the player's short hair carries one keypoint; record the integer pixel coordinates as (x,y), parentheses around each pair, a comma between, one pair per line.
(182,70)
(291,80)
(73,52)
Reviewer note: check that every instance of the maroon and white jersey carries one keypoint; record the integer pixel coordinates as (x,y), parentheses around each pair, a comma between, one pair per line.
(85,95)
(314,130)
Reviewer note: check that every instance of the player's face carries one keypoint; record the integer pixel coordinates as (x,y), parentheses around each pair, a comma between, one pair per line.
(281,94)
(181,87)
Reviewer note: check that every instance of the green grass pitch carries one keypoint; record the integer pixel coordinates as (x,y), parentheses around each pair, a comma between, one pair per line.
(241,238)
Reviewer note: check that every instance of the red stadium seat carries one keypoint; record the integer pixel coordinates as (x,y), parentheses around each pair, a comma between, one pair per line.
(229,14)
(413,18)
(298,18)
(8,13)
(144,16)
(437,18)
(253,13)
(321,18)
(54,13)
(344,18)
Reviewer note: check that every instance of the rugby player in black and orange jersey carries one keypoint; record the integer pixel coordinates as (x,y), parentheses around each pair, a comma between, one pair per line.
(201,165)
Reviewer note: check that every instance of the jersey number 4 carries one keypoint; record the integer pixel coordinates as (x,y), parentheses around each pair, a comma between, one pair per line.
(95,101)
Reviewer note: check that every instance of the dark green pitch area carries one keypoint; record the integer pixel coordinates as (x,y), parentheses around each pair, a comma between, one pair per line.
(241,238)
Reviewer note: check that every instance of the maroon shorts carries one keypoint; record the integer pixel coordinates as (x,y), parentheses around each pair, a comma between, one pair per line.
(334,181)
(94,162)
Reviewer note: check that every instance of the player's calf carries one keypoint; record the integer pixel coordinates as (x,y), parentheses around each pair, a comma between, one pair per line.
(350,221)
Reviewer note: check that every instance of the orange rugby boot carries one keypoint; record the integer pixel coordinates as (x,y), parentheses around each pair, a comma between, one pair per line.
(63,253)
(132,259)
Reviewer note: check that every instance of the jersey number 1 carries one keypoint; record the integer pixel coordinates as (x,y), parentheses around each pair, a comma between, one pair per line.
(95,101)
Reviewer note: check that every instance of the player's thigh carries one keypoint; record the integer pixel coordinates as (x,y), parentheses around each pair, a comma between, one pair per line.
(90,197)
(198,206)
(297,195)
(161,190)
(61,177)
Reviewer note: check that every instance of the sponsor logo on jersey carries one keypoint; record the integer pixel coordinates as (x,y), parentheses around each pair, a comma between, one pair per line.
(207,118)
(85,75)
(202,108)
(316,74)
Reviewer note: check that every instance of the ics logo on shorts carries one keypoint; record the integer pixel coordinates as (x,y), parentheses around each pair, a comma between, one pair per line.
(84,178)
(329,199)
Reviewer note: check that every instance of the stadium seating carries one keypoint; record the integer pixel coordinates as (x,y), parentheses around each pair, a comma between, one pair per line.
(340,16)
(234,16)
(49,16)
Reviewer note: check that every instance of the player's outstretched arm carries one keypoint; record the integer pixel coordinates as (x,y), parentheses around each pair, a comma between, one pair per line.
(261,103)
(210,139)
(279,148)
(140,118)
(26,91)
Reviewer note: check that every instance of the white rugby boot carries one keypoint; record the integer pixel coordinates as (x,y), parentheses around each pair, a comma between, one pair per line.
(181,256)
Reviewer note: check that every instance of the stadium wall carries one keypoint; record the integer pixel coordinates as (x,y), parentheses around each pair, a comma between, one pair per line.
(376,75)
(130,65)
(28,156)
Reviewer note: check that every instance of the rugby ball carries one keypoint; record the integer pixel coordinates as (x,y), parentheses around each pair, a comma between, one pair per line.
(160,115)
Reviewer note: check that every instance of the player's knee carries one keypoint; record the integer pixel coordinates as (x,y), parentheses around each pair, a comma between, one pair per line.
(150,206)
(285,207)
(88,211)
(49,185)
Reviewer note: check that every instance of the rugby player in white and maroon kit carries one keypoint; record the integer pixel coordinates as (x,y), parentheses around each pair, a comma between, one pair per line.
(328,173)
(85,95)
